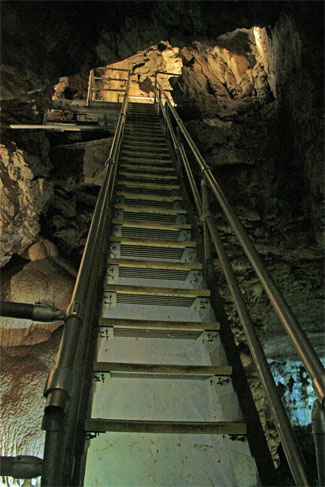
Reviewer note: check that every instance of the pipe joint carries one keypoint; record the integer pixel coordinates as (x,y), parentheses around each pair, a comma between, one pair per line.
(44,312)
(58,387)
(21,467)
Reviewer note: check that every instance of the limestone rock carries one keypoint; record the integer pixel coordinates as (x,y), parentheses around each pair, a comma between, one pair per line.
(39,280)
(24,370)
(23,197)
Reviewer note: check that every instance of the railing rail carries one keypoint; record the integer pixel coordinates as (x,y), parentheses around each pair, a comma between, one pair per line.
(305,350)
(66,382)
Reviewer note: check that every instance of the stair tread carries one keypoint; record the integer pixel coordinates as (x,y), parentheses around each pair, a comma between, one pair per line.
(181,427)
(157,291)
(147,161)
(147,167)
(147,175)
(166,325)
(153,225)
(149,197)
(150,209)
(181,244)
(169,369)
(148,185)
(155,264)
(164,153)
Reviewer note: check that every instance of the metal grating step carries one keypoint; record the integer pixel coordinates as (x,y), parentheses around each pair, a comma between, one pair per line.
(146,144)
(163,154)
(99,425)
(161,274)
(153,252)
(170,202)
(158,163)
(134,176)
(136,167)
(144,300)
(152,190)
(153,217)
(158,329)
(152,233)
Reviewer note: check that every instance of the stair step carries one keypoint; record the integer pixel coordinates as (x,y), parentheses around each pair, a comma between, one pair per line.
(144,175)
(142,153)
(158,329)
(162,163)
(154,243)
(133,184)
(150,209)
(146,197)
(145,160)
(181,371)
(144,139)
(142,123)
(131,143)
(157,291)
(148,264)
(149,148)
(144,130)
(146,167)
(153,225)
(99,425)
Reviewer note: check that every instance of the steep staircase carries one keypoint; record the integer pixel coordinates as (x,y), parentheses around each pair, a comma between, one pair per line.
(164,411)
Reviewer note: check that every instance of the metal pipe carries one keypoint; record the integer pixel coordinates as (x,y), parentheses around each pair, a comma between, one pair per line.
(306,352)
(89,91)
(36,312)
(21,467)
(205,209)
(196,194)
(318,427)
(290,446)
(62,381)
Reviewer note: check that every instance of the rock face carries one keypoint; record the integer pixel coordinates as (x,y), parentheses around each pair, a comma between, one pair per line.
(25,193)
(48,279)
(24,370)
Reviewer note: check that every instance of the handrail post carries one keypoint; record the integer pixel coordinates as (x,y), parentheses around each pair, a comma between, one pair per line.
(318,427)
(155,91)
(178,151)
(90,83)
(204,216)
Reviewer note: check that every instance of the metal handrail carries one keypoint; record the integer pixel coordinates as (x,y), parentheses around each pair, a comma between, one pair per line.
(65,383)
(288,439)
(304,348)
(290,446)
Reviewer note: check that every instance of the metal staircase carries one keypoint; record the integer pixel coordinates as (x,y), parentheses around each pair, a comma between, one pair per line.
(163,411)
(148,387)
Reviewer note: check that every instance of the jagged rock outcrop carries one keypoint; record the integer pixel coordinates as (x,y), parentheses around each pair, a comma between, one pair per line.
(46,278)
(25,192)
